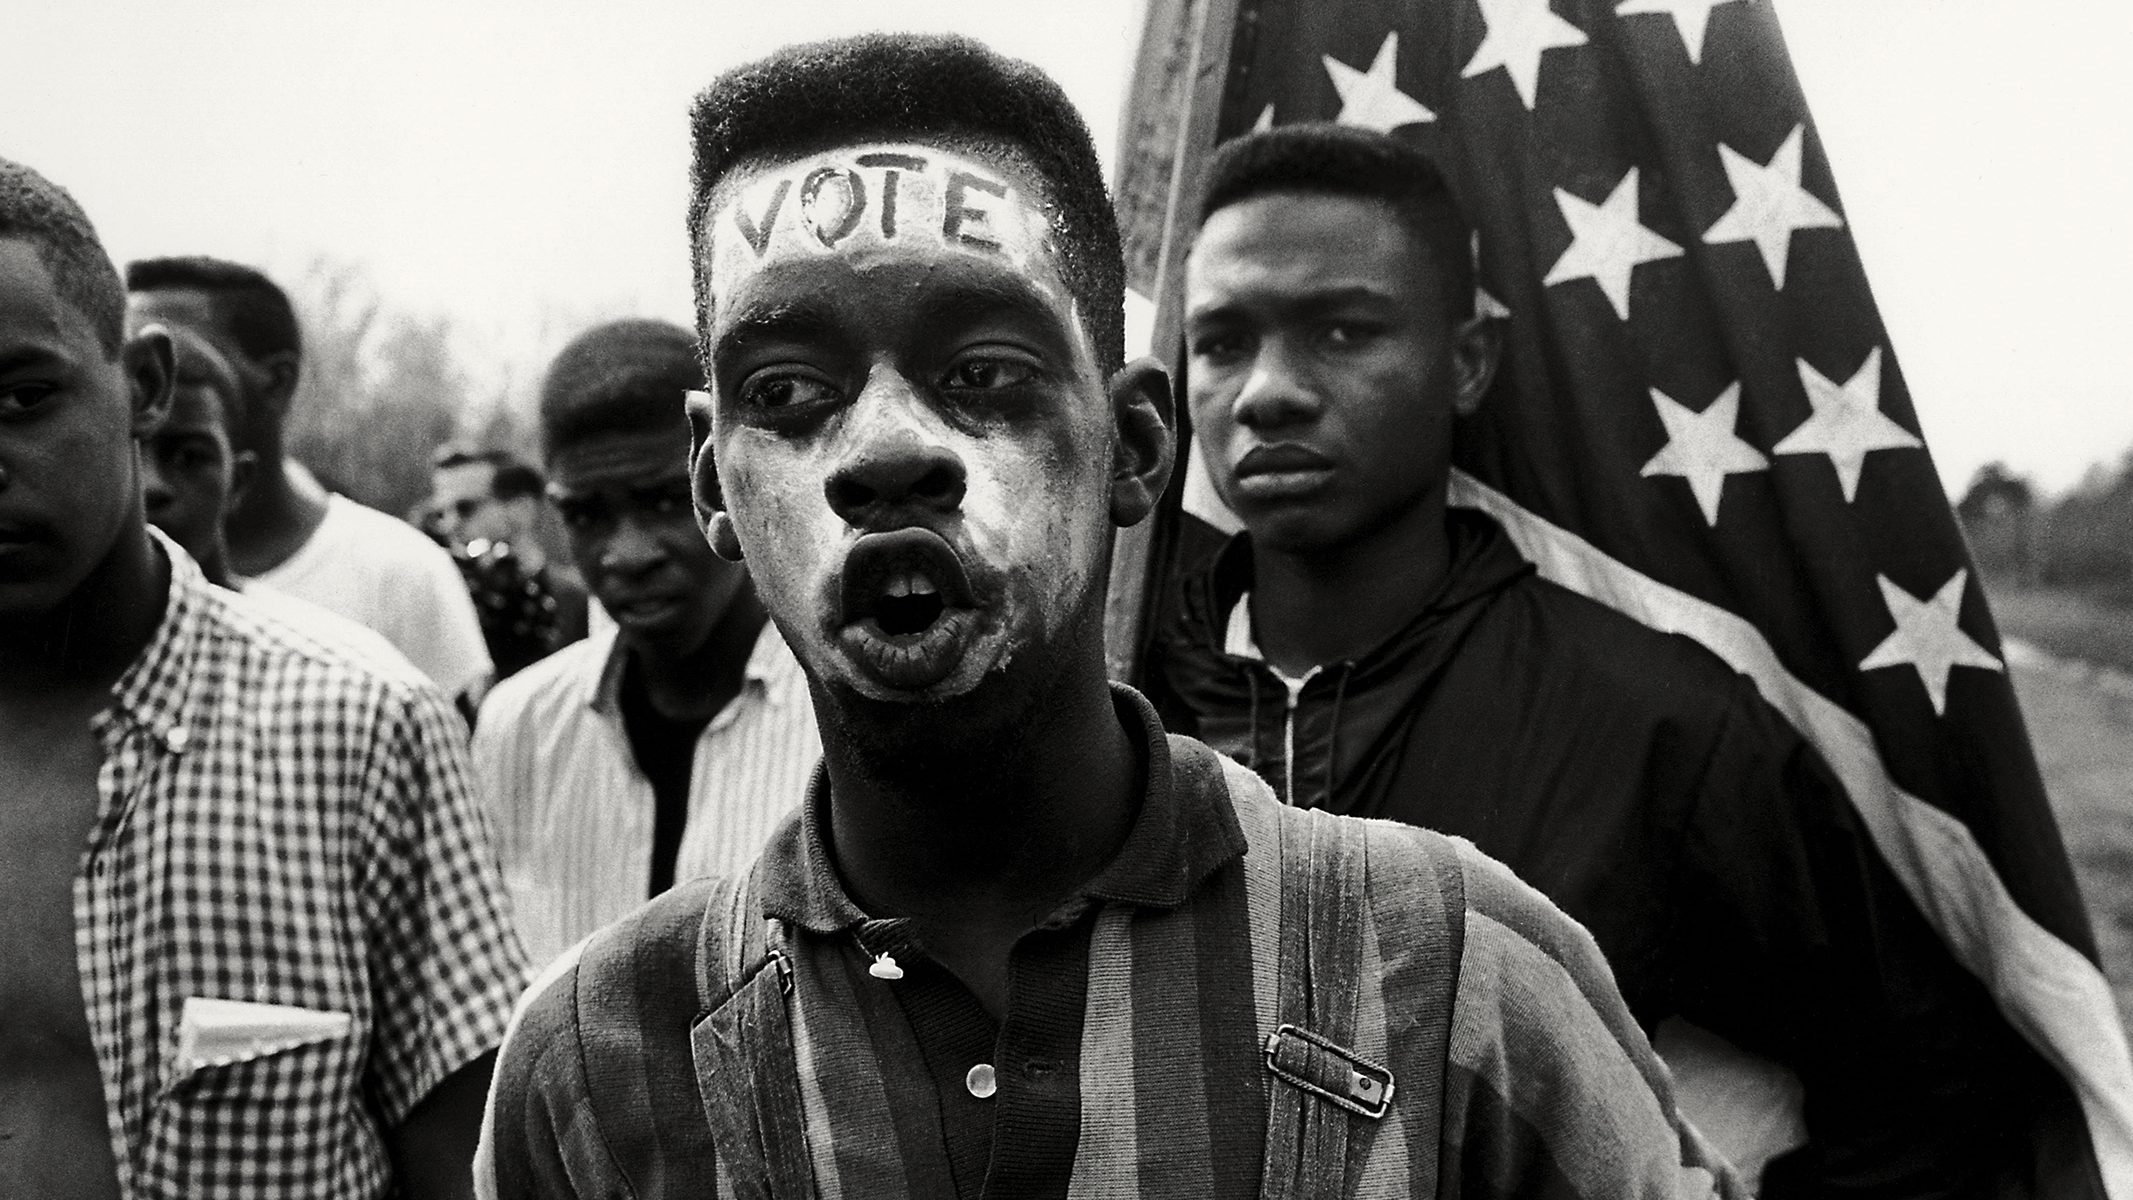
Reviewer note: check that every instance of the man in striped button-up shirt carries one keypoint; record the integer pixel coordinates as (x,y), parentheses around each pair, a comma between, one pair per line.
(1017,941)
(670,745)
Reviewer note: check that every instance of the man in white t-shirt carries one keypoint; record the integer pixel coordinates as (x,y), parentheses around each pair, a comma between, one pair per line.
(192,474)
(287,530)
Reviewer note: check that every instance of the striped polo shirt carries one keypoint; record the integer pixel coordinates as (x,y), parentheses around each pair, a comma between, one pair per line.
(1249,1000)
(573,814)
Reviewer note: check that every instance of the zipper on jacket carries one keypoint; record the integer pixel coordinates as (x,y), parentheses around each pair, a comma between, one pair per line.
(1288,731)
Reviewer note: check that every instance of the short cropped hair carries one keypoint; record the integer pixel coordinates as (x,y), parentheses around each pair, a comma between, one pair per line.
(200,362)
(249,307)
(821,94)
(35,210)
(1344,160)
(509,476)
(629,376)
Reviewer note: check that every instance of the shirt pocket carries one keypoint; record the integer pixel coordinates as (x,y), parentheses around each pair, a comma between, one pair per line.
(254,1085)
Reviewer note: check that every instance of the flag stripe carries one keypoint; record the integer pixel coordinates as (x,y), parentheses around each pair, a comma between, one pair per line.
(2048,989)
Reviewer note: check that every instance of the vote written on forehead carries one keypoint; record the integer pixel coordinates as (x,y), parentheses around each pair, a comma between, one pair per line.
(883,195)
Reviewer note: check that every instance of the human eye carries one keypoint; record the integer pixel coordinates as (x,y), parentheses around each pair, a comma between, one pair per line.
(667,501)
(580,513)
(22,399)
(989,372)
(784,391)
(1349,333)
(1218,347)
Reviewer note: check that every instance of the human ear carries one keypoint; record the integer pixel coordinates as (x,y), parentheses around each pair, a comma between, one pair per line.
(704,492)
(151,365)
(1145,440)
(1477,346)
(244,464)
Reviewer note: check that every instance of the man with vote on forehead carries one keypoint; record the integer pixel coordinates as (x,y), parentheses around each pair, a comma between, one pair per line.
(1016,941)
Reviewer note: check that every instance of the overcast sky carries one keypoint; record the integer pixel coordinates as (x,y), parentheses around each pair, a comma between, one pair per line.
(520,166)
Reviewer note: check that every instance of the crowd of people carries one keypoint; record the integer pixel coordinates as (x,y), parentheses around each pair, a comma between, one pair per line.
(788,837)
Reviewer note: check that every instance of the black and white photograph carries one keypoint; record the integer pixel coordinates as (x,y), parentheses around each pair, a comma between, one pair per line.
(1500,599)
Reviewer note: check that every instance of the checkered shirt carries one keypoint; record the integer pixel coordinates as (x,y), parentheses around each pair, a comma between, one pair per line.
(281,826)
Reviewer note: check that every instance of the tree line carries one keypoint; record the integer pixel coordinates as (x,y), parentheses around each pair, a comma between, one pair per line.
(383,388)
(2082,539)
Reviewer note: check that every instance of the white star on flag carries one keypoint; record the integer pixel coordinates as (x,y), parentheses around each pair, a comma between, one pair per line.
(1373,99)
(1485,304)
(1520,31)
(1691,19)
(1607,242)
(1769,204)
(1702,447)
(1927,638)
(1847,423)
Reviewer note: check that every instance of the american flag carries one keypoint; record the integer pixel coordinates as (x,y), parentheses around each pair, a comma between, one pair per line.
(1699,420)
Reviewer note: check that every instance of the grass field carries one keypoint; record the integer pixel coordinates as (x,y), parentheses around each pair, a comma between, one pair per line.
(2078,703)
(2083,735)
(2092,625)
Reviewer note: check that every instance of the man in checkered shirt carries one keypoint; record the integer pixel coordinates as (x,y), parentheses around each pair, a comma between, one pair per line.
(253,942)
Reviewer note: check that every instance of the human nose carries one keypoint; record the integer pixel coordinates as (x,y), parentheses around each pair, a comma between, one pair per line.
(897,466)
(1276,392)
(156,492)
(631,549)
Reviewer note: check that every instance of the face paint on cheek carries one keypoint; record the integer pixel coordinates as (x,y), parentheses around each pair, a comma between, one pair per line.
(1033,520)
(786,533)
(856,201)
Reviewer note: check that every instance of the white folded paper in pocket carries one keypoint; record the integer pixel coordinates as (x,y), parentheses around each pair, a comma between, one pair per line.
(216,1033)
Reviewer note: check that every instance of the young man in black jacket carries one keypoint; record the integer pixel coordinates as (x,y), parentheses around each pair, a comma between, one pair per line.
(1372,651)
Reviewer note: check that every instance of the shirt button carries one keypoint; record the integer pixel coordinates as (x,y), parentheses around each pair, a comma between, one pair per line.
(981,1081)
(177,739)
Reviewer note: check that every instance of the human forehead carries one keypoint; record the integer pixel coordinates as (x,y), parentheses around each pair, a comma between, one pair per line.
(1305,246)
(1307,227)
(621,462)
(192,306)
(863,200)
(33,315)
(195,408)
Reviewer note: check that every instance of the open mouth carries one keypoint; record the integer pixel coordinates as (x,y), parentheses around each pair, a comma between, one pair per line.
(904,581)
(907,606)
(910,603)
